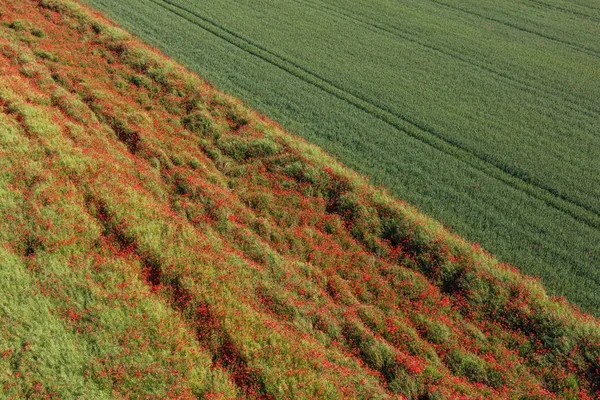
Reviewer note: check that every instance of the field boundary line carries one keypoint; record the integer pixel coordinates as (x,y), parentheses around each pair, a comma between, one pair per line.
(419,132)
(520,84)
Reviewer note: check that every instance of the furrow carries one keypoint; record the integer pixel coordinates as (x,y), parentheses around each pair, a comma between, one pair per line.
(580,212)
(190,307)
(589,7)
(519,84)
(565,10)
(573,46)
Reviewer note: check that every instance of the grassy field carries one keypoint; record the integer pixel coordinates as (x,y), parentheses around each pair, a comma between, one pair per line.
(485,114)
(160,240)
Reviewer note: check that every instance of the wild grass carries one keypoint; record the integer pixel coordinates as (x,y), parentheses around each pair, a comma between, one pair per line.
(161,240)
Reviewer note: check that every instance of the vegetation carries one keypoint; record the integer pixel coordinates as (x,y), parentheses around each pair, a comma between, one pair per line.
(483,113)
(160,240)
